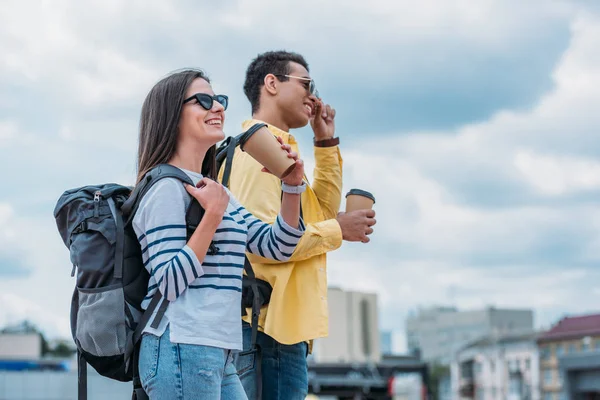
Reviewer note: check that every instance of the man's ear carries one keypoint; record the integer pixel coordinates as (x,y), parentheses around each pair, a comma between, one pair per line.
(271,83)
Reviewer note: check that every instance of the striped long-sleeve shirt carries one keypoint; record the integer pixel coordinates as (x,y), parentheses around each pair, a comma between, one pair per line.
(205,298)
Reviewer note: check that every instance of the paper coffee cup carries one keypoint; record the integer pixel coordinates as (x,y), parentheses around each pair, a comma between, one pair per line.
(357,199)
(264,148)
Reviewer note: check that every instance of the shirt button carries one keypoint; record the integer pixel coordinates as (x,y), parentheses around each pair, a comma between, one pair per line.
(322,298)
(332,247)
(321,269)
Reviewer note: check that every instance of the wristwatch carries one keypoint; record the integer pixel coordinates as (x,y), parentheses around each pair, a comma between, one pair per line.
(293,189)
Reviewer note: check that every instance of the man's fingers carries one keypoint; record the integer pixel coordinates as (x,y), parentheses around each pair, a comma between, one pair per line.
(318,111)
(370,213)
(369,231)
(371,221)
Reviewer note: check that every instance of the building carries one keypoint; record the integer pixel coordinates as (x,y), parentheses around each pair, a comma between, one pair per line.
(385,339)
(20,346)
(353,329)
(437,333)
(497,367)
(570,359)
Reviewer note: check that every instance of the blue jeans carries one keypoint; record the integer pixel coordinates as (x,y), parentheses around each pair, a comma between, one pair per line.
(171,371)
(284,368)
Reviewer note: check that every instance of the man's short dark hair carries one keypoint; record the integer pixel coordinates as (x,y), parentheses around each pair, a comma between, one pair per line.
(271,62)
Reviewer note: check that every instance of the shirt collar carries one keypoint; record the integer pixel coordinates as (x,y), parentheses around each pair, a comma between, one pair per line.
(287,137)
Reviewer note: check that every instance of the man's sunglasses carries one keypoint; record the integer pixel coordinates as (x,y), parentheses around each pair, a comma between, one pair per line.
(312,87)
(206,100)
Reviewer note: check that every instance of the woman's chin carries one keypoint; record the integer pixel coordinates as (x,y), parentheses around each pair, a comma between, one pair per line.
(215,136)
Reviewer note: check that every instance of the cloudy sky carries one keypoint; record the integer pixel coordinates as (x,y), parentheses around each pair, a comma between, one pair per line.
(471,121)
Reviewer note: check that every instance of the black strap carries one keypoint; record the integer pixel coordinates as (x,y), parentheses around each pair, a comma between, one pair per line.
(157,173)
(160,313)
(120,243)
(233,143)
(255,299)
(81,377)
(229,161)
(137,334)
(138,391)
(254,347)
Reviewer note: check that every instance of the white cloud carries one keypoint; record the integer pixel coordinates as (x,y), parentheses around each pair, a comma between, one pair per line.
(558,175)
(8,131)
(90,65)
(444,245)
(17,308)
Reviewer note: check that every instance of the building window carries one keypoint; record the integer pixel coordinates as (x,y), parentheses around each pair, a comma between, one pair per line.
(548,377)
(477,368)
(545,352)
(585,343)
(527,364)
(560,349)
(480,394)
(597,344)
(572,348)
(366,339)
(548,396)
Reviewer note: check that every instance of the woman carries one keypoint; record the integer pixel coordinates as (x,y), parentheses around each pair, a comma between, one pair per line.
(189,355)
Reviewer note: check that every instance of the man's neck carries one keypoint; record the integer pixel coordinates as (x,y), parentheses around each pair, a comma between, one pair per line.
(271,117)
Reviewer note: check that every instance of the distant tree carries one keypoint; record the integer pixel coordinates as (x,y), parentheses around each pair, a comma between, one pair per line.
(62,350)
(26,326)
(436,373)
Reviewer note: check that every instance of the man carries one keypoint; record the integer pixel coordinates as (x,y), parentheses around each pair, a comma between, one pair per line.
(283,95)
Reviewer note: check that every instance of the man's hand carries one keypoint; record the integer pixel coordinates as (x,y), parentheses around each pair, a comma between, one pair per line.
(357,225)
(323,121)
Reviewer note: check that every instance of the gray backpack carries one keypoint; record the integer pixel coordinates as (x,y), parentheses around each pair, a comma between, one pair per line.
(95,223)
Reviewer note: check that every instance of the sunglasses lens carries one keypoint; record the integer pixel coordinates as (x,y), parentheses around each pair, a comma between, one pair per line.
(204,100)
(313,89)
(223,100)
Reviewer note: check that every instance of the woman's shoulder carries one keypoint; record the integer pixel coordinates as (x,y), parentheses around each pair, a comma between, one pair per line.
(166,195)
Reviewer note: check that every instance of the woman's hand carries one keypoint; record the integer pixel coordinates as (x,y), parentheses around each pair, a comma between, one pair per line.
(295,177)
(211,195)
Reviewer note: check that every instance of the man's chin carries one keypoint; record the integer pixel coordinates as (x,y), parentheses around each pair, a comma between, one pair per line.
(300,123)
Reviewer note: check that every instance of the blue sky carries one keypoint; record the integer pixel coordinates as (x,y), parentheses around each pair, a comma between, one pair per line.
(474,123)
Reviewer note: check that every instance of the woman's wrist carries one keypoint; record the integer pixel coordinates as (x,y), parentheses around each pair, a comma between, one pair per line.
(293,189)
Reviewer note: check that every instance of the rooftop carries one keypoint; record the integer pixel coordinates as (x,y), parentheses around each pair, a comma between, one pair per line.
(573,327)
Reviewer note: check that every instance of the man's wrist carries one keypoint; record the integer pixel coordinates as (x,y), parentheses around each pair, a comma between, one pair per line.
(328,142)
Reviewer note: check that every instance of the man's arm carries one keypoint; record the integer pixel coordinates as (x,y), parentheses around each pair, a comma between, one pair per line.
(327,182)
(260,193)
(328,161)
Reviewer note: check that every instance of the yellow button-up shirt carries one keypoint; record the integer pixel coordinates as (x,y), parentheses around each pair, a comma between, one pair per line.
(298,309)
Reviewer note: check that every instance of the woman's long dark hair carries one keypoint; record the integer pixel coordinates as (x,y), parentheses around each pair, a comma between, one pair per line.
(159,123)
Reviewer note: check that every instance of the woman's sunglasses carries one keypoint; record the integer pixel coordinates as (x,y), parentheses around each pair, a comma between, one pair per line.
(206,100)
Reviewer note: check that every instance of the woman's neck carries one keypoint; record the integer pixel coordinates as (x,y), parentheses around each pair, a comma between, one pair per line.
(189,156)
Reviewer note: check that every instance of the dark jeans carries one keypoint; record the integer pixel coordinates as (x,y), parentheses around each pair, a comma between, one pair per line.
(284,368)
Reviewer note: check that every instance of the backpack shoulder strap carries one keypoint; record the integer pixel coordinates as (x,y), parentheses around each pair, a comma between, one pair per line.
(233,143)
(153,176)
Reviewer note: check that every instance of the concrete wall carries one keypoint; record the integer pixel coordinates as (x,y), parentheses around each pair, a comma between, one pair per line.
(441,332)
(353,329)
(20,346)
